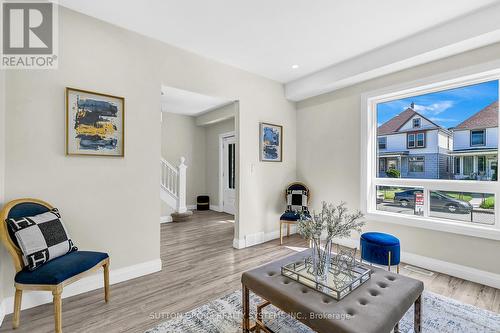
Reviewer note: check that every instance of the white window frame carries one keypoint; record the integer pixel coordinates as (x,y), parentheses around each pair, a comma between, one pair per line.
(484,138)
(416,159)
(384,139)
(419,122)
(423,139)
(369,161)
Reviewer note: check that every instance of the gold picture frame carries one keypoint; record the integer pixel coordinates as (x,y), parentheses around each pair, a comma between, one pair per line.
(270,142)
(96,126)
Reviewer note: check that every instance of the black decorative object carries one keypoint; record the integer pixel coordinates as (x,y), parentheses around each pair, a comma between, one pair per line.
(203,202)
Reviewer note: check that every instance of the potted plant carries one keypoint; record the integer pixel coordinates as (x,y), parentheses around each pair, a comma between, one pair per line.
(336,222)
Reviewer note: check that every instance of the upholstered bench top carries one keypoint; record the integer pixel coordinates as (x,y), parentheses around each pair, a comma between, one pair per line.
(375,306)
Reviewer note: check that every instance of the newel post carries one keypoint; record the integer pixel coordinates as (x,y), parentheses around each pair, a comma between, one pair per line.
(182,187)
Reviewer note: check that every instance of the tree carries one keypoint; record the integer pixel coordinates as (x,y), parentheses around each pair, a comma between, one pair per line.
(393,173)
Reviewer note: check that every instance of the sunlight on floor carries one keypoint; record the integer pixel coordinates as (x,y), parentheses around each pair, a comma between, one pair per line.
(226,221)
(296,248)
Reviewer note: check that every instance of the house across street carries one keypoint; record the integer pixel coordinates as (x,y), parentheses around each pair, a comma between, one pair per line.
(412,146)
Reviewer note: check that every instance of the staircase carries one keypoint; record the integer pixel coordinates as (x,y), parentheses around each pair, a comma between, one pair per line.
(173,188)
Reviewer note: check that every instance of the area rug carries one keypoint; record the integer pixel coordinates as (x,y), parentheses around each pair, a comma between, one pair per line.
(223,315)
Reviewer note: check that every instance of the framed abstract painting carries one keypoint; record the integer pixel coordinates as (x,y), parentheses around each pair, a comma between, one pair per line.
(94,123)
(271,142)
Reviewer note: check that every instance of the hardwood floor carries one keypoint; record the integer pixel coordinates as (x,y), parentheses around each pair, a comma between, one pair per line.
(199,264)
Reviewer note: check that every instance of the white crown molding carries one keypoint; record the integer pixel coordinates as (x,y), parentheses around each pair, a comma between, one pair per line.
(466,33)
(440,266)
(89,283)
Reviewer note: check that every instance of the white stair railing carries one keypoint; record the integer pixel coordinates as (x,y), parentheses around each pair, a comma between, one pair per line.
(173,180)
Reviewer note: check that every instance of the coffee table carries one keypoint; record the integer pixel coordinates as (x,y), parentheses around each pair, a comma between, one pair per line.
(376,306)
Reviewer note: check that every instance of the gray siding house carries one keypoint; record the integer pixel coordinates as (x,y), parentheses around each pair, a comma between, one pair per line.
(416,146)
(475,145)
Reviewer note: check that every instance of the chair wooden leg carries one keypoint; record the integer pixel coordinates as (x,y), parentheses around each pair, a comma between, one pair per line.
(57,310)
(389,263)
(17,308)
(106,282)
(246,309)
(288,230)
(281,233)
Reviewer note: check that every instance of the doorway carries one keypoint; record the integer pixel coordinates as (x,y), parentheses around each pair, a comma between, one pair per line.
(227,171)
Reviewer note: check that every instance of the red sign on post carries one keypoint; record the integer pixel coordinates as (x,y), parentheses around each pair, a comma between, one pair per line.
(419,203)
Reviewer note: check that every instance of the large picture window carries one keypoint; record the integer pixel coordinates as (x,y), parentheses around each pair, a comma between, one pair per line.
(444,172)
(416,164)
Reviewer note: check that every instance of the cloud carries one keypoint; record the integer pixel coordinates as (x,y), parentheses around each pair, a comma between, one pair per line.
(434,109)
(445,120)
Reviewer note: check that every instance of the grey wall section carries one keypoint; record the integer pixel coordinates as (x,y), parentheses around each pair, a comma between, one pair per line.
(99,197)
(334,119)
(181,137)
(212,150)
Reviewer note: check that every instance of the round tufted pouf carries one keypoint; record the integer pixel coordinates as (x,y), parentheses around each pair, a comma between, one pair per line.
(377,248)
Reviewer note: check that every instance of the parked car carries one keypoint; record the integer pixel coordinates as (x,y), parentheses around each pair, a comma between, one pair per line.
(439,202)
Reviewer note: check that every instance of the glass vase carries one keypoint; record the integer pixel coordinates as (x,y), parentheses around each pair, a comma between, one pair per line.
(321,259)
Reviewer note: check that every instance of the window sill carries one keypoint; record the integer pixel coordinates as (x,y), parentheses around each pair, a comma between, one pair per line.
(436,224)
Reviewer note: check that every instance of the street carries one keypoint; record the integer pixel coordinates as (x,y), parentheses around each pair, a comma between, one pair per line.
(478,216)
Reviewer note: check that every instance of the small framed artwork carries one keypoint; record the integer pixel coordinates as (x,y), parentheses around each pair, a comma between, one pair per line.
(271,142)
(95,123)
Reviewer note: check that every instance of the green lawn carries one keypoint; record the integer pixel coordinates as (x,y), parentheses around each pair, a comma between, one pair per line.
(488,203)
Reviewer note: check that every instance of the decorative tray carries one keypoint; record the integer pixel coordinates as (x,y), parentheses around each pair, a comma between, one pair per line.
(339,282)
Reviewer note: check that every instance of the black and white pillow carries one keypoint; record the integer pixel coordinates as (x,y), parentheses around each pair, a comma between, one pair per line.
(296,200)
(41,238)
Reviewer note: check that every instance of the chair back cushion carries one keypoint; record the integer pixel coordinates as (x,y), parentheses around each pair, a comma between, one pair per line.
(40,237)
(296,200)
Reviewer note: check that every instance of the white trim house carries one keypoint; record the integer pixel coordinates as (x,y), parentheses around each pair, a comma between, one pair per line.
(414,145)
(475,145)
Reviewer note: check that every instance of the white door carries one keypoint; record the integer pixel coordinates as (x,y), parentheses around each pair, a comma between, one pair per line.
(229,174)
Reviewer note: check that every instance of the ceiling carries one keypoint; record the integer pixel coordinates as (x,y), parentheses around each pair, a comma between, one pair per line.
(269,37)
(188,103)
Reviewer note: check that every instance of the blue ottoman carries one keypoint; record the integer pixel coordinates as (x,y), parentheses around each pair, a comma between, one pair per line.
(381,249)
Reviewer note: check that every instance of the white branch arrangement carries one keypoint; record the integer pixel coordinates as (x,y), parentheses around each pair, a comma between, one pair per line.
(336,221)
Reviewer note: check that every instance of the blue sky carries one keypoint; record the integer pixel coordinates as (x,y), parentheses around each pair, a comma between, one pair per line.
(446,108)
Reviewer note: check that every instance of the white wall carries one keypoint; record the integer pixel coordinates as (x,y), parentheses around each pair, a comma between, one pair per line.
(180,136)
(461,139)
(444,141)
(3,253)
(212,155)
(330,161)
(424,123)
(99,197)
(217,115)
(397,142)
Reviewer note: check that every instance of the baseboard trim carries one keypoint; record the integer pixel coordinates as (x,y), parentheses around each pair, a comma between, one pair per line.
(260,237)
(238,243)
(2,312)
(460,271)
(89,283)
(190,207)
(165,219)
(215,208)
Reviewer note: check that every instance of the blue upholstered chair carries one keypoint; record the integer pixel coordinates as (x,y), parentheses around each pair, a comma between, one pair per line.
(53,275)
(381,249)
(297,198)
